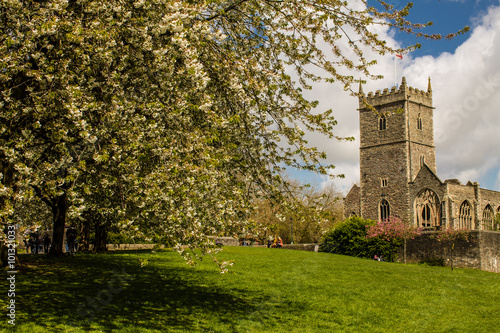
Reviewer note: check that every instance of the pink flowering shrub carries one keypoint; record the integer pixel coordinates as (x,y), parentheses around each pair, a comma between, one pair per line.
(393,228)
(451,236)
(394,231)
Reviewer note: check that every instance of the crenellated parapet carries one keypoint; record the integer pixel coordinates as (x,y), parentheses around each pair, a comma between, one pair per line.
(404,93)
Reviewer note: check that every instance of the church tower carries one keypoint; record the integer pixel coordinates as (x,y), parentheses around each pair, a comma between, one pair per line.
(396,140)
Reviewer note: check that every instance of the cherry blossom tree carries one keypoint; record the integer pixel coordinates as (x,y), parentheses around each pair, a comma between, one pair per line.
(165,115)
(393,229)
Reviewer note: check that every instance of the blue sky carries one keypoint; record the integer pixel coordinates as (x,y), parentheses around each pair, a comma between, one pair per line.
(447,16)
(465,74)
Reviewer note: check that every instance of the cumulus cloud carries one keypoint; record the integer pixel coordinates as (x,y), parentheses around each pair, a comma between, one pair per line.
(466,94)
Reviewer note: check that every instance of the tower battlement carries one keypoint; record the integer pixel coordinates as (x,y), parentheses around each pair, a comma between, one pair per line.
(404,93)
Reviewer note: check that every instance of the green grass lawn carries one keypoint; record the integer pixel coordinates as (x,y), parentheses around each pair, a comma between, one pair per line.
(268,290)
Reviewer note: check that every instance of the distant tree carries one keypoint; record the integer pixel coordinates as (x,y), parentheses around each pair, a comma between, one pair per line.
(314,211)
(395,231)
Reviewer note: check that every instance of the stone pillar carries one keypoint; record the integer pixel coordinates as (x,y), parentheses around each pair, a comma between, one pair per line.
(477,207)
(451,214)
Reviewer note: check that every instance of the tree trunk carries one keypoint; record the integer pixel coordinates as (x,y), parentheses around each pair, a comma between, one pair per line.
(3,254)
(101,236)
(405,250)
(59,210)
(452,255)
(84,243)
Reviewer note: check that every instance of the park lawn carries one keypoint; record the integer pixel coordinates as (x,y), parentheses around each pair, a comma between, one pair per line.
(267,290)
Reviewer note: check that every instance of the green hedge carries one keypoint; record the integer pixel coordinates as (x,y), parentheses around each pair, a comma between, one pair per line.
(349,238)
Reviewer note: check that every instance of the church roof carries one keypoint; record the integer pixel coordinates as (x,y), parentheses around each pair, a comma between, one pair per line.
(425,170)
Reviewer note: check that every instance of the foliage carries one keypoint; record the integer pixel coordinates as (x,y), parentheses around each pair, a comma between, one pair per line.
(166,116)
(450,235)
(316,210)
(270,291)
(350,238)
(393,228)
(395,232)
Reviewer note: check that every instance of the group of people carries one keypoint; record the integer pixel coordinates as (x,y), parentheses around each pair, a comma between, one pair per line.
(37,243)
(277,243)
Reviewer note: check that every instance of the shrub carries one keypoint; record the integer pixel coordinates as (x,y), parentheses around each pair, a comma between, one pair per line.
(394,231)
(349,238)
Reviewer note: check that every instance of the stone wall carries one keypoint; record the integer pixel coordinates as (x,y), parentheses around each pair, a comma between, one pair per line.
(352,202)
(302,247)
(489,243)
(482,251)
(228,241)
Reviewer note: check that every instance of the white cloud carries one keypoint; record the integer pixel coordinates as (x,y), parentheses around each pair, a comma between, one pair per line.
(466,93)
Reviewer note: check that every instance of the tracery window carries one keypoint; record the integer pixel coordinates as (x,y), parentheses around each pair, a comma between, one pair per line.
(385,210)
(427,209)
(382,123)
(488,218)
(465,216)
(383,182)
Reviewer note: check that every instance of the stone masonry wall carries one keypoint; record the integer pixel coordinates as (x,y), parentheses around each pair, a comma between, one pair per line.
(489,243)
(482,251)
(393,167)
(352,202)
(421,140)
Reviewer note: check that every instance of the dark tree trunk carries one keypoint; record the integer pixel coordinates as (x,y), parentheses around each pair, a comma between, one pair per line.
(101,235)
(84,243)
(59,209)
(4,254)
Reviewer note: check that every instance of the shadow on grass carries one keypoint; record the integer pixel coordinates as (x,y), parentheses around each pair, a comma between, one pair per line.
(112,292)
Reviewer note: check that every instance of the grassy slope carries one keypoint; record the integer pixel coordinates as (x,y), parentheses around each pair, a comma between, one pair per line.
(268,290)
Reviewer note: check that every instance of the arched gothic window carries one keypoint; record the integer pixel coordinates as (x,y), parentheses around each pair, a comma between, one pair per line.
(382,123)
(385,210)
(465,216)
(427,209)
(488,218)
(419,122)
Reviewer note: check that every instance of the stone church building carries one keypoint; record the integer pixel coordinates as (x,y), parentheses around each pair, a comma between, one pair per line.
(398,173)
